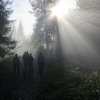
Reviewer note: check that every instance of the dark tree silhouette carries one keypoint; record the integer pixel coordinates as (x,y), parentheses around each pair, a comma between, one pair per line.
(14,32)
(7,44)
(45,27)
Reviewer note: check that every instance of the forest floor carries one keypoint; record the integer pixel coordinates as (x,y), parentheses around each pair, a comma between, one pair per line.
(18,87)
(70,80)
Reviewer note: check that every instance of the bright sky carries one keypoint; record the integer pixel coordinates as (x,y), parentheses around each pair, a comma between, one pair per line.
(63,7)
(21,12)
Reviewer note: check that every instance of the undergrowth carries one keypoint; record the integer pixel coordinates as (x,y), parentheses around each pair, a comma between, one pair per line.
(69,81)
(6,67)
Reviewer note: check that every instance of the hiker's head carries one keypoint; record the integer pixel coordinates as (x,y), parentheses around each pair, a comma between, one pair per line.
(30,54)
(40,53)
(15,55)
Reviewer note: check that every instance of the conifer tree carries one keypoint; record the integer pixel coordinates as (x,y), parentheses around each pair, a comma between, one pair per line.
(14,32)
(7,44)
(44,28)
(20,34)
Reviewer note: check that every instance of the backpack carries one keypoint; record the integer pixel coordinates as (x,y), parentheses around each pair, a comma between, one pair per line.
(41,59)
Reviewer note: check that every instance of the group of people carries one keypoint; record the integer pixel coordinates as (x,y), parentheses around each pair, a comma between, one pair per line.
(28,64)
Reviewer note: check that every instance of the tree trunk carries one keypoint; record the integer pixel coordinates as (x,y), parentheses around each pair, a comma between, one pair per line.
(59,42)
(47,44)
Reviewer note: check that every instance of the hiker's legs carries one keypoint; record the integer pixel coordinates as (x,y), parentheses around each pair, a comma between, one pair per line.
(14,69)
(31,69)
(25,69)
(18,72)
(42,70)
(39,69)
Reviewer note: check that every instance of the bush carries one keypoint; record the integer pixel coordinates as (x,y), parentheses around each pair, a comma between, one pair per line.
(69,82)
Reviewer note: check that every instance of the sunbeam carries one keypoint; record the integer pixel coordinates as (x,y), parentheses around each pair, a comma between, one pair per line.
(74,41)
(63,7)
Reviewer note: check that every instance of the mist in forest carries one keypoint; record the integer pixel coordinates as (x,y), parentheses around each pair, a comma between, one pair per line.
(80,39)
(23,43)
(79,35)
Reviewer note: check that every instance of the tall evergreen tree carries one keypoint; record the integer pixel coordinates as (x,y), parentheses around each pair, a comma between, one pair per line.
(7,44)
(45,28)
(14,32)
(20,34)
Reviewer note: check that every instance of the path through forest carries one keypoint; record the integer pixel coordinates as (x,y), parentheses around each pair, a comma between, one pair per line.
(19,88)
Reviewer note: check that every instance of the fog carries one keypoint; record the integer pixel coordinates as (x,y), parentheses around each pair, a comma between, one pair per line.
(79,36)
(80,39)
(77,39)
(23,43)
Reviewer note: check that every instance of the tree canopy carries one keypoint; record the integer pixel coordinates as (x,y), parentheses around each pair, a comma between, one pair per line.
(45,27)
(7,44)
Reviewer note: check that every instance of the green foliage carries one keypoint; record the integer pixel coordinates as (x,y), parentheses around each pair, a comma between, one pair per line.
(70,81)
(7,44)
(6,67)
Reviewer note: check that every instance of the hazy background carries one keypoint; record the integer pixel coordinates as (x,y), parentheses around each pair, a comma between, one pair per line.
(21,13)
(79,30)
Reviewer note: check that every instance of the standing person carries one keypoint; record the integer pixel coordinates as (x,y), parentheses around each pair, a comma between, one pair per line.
(25,60)
(31,59)
(41,63)
(25,64)
(16,63)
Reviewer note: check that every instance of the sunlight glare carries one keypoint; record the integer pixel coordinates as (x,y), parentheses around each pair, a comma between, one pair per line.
(63,7)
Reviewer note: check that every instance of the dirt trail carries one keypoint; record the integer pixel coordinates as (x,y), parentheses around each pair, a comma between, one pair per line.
(19,88)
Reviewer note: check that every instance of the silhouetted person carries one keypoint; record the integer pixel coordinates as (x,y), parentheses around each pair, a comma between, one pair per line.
(25,60)
(25,64)
(31,59)
(41,63)
(16,63)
